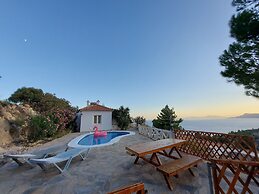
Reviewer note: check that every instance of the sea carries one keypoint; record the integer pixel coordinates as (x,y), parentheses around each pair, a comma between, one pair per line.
(225,125)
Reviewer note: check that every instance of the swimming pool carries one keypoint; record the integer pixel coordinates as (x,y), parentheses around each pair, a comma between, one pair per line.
(89,141)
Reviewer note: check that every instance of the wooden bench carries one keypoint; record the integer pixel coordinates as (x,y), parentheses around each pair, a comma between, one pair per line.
(176,166)
(137,188)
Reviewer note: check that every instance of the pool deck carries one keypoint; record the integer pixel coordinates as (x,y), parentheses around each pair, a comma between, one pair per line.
(105,169)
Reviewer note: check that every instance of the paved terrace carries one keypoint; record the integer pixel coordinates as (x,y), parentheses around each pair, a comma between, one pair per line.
(105,169)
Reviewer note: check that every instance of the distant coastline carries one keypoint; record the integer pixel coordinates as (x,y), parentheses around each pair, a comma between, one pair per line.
(248,115)
(222,125)
(245,115)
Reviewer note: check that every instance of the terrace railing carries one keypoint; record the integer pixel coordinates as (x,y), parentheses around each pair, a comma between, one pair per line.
(209,145)
(233,158)
(235,176)
(154,133)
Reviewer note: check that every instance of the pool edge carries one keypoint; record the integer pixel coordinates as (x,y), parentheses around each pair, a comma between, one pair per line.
(74,142)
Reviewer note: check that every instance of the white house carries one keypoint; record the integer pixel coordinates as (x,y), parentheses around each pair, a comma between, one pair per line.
(96,115)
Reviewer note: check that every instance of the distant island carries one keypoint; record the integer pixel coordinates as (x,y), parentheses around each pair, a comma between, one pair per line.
(209,117)
(248,115)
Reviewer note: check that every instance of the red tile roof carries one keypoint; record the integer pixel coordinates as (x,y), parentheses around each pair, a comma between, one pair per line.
(96,107)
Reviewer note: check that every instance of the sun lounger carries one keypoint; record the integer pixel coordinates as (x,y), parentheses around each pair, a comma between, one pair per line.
(61,157)
(20,159)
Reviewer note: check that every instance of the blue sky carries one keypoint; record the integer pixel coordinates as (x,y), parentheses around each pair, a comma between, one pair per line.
(140,54)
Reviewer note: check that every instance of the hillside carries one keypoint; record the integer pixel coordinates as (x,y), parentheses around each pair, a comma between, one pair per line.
(248,115)
(13,123)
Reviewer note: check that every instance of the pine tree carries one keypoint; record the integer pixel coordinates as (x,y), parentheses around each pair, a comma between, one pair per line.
(167,119)
(241,60)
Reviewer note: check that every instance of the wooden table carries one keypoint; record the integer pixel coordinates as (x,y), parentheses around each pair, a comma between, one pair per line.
(154,148)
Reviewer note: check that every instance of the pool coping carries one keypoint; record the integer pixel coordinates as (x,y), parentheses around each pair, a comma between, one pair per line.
(74,142)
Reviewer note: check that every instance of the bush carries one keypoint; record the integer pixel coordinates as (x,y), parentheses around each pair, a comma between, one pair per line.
(31,96)
(49,125)
(242,132)
(56,114)
(122,117)
(4,103)
(39,101)
(139,120)
(41,127)
(63,119)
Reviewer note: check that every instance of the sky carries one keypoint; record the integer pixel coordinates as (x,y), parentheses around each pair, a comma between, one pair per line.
(139,54)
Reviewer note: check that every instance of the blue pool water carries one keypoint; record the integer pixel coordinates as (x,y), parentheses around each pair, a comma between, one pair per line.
(91,140)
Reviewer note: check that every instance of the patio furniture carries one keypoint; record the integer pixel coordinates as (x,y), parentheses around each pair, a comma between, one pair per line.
(179,164)
(22,159)
(176,166)
(154,148)
(137,188)
(61,157)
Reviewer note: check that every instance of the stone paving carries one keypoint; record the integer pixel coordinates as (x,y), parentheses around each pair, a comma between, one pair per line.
(105,169)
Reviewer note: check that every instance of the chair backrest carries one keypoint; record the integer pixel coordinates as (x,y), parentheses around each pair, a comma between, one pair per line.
(137,188)
(69,153)
(210,145)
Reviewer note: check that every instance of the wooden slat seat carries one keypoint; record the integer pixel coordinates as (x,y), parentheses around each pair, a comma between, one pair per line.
(176,166)
(137,188)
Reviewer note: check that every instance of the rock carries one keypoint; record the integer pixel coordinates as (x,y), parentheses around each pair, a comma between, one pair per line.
(4,132)
(13,122)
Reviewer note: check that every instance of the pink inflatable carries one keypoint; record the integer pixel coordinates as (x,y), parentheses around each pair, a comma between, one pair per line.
(99,133)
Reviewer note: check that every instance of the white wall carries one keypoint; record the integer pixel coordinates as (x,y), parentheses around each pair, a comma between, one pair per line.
(87,120)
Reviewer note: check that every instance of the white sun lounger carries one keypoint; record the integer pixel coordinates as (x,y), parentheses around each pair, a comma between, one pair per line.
(61,157)
(18,158)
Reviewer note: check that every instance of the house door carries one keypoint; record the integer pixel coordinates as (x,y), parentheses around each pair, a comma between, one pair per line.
(98,121)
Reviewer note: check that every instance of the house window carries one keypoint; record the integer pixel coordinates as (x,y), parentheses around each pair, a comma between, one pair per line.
(97,119)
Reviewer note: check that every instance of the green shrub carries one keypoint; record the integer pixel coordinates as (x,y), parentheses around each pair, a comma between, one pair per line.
(63,119)
(56,115)
(139,120)
(4,103)
(40,101)
(122,117)
(242,132)
(41,127)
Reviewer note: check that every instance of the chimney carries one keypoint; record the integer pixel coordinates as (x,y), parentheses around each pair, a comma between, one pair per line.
(88,102)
